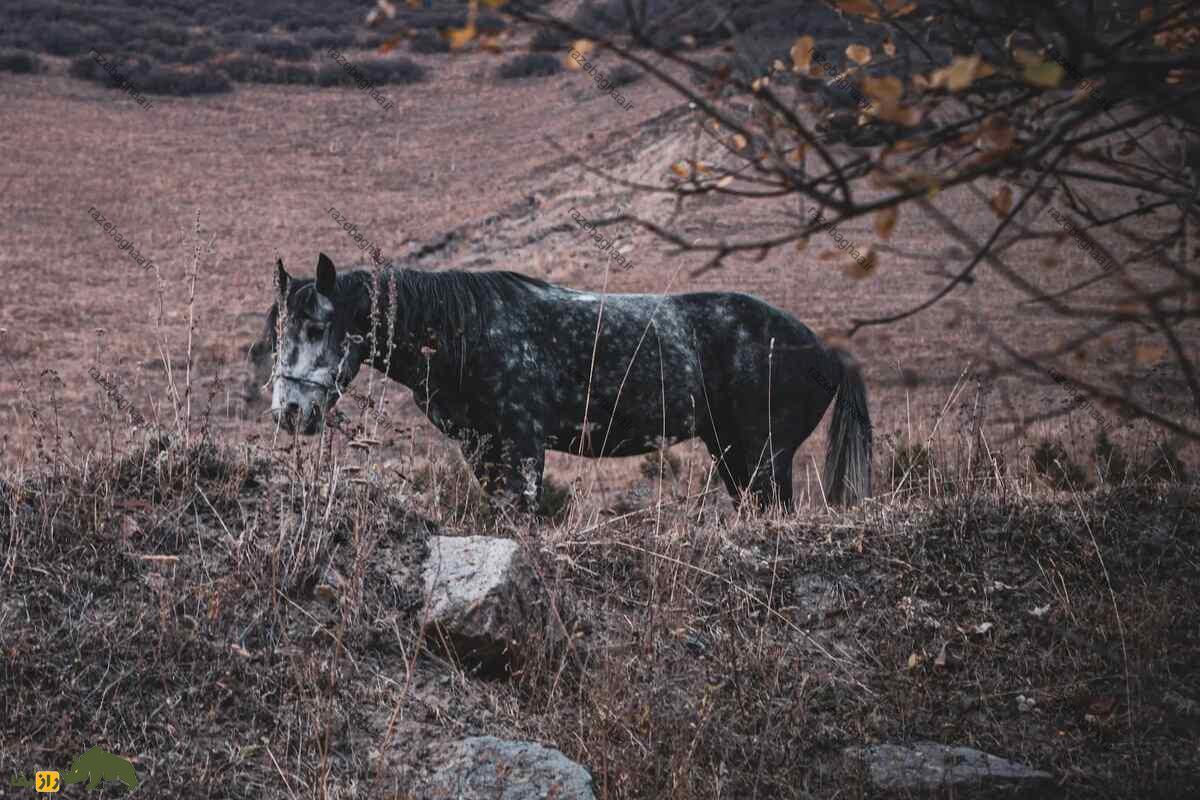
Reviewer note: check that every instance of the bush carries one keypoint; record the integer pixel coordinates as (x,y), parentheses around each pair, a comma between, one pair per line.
(249,69)
(19,62)
(427,42)
(158,51)
(1051,462)
(197,53)
(256,68)
(324,38)
(177,82)
(623,75)
(531,65)
(149,78)
(285,49)
(68,39)
(549,40)
(167,34)
(376,71)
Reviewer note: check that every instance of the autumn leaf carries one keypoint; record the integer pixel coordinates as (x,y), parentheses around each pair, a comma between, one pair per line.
(864,8)
(1002,201)
(885,221)
(680,168)
(962,72)
(996,134)
(859,270)
(1046,74)
(858,53)
(459,37)
(758,84)
(390,44)
(802,52)
(739,142)
(908,116)
(914,661)
(886,89)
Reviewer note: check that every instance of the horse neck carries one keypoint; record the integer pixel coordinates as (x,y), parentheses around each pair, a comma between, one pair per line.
(426,309)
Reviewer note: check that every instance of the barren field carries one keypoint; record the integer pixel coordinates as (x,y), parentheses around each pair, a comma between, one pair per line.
(259,616)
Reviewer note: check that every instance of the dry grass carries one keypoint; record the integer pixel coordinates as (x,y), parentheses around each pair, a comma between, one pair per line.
(246,620)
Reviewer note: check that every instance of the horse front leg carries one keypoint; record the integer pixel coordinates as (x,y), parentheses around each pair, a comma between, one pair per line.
(509,470)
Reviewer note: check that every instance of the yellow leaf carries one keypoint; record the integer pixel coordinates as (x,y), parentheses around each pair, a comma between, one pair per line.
(459,37)
(961,73)
(1002,201)
(859,269)
(885,221)
(680,169)
(1046,74)
(802,52)
(725,181)
(584,46)
(914,661)
(1026,57)
(858,53)
(758,84)
(739,142)
(885,88)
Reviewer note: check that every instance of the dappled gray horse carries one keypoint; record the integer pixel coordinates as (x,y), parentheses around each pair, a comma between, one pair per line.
(511,366)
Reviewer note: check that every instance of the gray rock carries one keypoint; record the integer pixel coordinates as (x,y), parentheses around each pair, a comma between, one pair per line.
(486,767)
(480,595)
(816,596)
(929,765)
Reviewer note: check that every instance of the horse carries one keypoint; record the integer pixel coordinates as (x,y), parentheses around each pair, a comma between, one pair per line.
(511,366)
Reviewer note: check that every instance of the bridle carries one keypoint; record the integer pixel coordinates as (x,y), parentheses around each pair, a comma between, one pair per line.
(318,384)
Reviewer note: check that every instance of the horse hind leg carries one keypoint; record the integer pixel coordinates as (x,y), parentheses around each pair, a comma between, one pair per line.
(772,481)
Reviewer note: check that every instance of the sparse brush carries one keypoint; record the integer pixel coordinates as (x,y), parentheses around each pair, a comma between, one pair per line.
(1052,464)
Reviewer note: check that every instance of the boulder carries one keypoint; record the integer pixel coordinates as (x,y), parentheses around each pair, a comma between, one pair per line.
(482,599)
(929,765)
(487,768)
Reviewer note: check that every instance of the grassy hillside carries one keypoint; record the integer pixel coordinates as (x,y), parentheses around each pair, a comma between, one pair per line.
(247,622)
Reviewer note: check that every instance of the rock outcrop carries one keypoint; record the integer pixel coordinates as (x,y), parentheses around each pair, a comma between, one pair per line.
(487,768)
(929,765)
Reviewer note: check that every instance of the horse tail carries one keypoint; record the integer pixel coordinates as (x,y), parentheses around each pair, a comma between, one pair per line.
(848,451)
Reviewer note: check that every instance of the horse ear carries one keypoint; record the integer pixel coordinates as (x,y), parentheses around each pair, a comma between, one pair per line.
(326,276)
(281,277)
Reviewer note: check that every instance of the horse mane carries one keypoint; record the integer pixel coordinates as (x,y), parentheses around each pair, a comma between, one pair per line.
(455,306)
